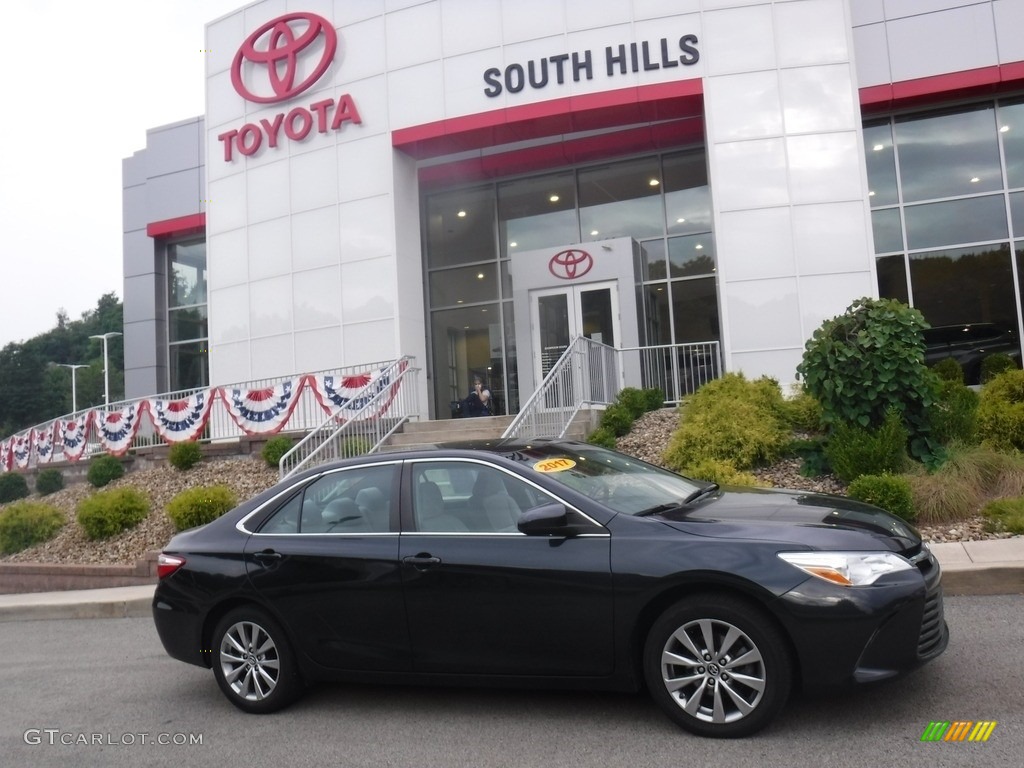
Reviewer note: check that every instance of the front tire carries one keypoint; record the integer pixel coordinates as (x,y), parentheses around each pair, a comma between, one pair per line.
(253,663)
(717,666)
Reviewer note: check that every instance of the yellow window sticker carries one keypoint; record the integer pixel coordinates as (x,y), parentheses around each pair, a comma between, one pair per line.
(554,465)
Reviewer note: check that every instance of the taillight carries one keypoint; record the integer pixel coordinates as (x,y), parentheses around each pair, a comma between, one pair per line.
(168,564)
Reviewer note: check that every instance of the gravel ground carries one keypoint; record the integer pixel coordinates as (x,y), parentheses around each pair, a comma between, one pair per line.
(249,476)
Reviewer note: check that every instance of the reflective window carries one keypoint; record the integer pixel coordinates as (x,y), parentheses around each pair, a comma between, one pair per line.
(187,328)
(189,365)
(887,229)
(467,342)
(965,285)
(538,212)
(621,200)
(464,285)
(1011,131)
(695,310)
(460,227)
(881,161)
(687,198)
(356,500)
(187,274)
(693,255)
(652,260)
(1017,213)
(956,221)
(948,153)
(892,277)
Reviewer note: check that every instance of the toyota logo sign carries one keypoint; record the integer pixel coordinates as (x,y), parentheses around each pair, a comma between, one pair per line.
(568,265)
(274,49)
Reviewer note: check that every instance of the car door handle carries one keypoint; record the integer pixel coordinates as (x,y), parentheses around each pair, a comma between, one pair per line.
(421,562)
(267,554)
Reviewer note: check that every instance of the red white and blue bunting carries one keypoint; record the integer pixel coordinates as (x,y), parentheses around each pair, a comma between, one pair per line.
(263,411)
(179,420)
(22,446)
(42,442)
(117,428)
(72,436)
(5,455)
(344,396)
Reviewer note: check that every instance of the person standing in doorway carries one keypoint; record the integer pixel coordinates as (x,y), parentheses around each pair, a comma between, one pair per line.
(478,402)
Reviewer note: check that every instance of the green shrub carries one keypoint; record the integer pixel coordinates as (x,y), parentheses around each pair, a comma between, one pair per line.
(654,399)
(199,506)
(12,487)
(803,412)
(107,513)
(1001,411)
(730,419)
(355,445)
(719,471)
(995,364)
(948,369)
(890,492)
(869,361)
(602,437)
(275,448)
(812,455)
(49,481)
(954,414)
(853,451)
(184,456)
(24,524)
(941,498)
(103,470)
(617,419)
(1005,516)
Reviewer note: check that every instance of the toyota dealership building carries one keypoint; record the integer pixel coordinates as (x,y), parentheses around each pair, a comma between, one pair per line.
(473,182)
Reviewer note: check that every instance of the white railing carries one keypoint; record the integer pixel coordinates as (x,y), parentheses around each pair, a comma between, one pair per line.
(678,369)
(393,404)
(587,373)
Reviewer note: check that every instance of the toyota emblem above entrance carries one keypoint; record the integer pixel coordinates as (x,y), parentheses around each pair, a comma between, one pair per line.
(570,264)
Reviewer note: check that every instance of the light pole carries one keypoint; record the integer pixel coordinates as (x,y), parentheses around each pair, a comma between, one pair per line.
(74,391)
(106,365)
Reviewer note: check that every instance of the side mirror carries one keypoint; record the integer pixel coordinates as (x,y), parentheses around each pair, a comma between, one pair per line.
(546,520)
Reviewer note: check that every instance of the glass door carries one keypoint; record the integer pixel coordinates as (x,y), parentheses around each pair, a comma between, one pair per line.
(559,315)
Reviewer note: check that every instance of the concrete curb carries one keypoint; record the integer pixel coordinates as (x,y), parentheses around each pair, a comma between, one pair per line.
(111,603)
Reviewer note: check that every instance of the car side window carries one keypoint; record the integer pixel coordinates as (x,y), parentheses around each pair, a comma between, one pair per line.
(467,497)
(356,500)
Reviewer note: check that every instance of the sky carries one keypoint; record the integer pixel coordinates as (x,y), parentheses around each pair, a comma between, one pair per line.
(83,81)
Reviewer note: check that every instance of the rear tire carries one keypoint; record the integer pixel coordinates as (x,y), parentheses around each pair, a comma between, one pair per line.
(717,666)
(253,662)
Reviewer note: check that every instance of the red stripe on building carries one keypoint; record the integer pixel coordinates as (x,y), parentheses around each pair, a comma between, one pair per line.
(192,224)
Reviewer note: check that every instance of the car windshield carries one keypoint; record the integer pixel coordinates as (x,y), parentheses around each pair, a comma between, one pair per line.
(619,482)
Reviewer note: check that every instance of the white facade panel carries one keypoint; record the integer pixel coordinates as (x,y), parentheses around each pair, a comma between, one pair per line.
(762,240)
(656,9)
(588,14)
(318,350)
(746,106)
(368,290)
(313,178)
(530,19)
(913,52)
(749,174)
(738,40)
(231,267)
(270,311)
(819,99)
(470,26)
(274,356)
(267,190)
(830,237)
(270,253)
(872,47)
(765,315)
(369,342)
(867,12)
(811,32)
(413,36)
(1008,17)
(316,238)
(367,228)
(822,294)
(825,167)
(416,95)
(363,55)
(315,294)
(229,317)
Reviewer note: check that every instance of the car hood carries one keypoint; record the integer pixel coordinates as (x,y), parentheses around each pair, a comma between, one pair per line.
(812,519)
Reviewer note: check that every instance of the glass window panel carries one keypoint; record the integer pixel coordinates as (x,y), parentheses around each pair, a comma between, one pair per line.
(695,310)
(693,255)
(187,324)
(506,280)
(553,322)
(965,285)
(463,285)
(189,365)
(596,313)
(621,200)
(652,260)
(892,278)
(466,343)
(687,198)
(460,227)
(187,275)
(1011,130)
(507,401)
(881,163)
(947,154)
(956,221)
(538,212)
(887,230)
(657,323)
(1017,213)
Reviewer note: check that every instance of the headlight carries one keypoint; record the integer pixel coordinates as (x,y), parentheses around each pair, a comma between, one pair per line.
(849,569)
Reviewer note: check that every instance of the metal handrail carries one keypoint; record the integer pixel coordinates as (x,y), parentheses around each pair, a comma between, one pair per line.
(366,430)
(678,369)
(587,373)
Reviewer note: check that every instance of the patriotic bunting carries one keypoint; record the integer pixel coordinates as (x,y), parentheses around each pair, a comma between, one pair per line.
(180,420)
(21,447)
(263,411)
(42,441)
(5,455)
(72,436)
(344,396)
(117,428)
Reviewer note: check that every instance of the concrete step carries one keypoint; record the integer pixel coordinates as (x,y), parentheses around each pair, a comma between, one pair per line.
(493,424)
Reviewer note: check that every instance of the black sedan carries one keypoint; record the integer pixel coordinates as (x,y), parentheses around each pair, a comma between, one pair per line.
(549,563)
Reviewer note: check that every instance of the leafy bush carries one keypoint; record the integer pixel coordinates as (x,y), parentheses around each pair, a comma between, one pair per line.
(12,487)
(719,471)
(275,448)
(24,524)
(890,492)
(355,445)
(803,412)
(948,369)
(853,451)
(633,400)
(869,361)
(730,419)
(1005,516)
(602,437)
(995,364)
(812,454)
(617,419)
(199,506)
(49,481)
(954,414)
(184,456)
(107,513)
(103,470)
(1001,411)
(654,399)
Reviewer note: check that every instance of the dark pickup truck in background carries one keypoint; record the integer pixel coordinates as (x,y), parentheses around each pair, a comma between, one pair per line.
(969,344)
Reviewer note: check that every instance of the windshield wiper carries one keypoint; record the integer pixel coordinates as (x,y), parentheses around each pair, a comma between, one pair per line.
(660,508)
(710,488)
